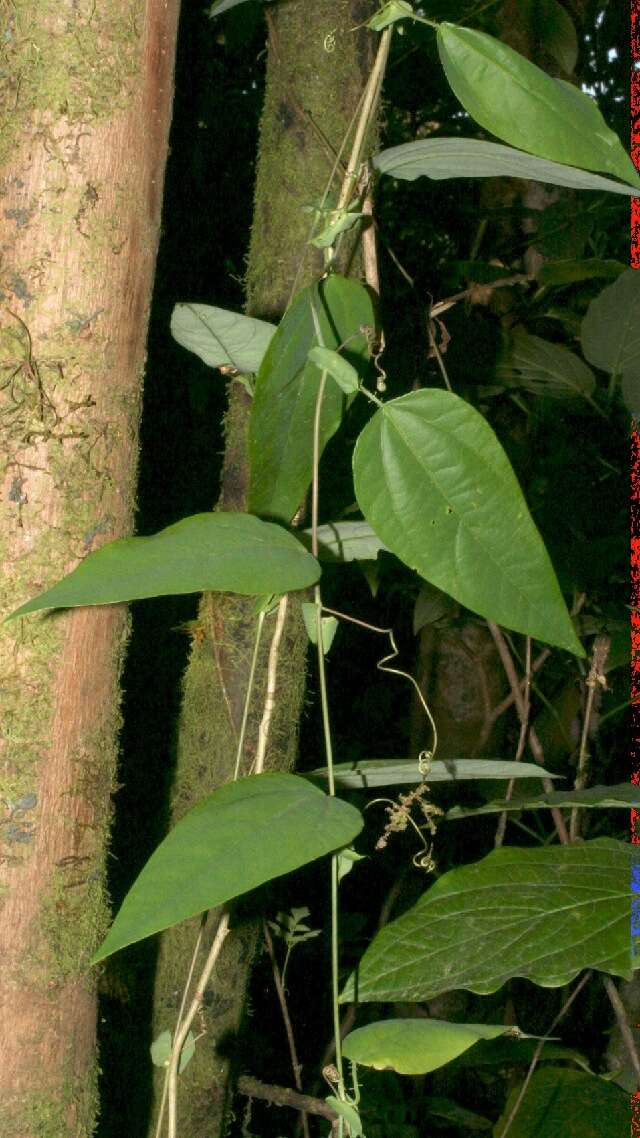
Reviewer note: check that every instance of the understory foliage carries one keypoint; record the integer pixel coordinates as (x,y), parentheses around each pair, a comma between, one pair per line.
(444,457)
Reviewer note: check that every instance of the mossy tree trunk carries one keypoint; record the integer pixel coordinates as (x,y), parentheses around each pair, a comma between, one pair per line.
(84,112)
(317,67)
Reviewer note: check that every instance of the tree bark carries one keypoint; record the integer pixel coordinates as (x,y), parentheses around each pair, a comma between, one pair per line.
(314,84)
(85,106)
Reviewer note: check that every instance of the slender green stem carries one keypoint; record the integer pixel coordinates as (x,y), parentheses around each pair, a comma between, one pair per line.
(247,699)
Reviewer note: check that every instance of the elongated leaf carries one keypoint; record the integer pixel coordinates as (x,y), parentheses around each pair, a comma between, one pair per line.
(545,368)
(623,797)
(439,158)
(234,553)
(223,6)
(611,327)
(524,106)
(414,1046)
(435,484)
(561,1101)
(545,914)
(221,338)
(555,31)
(244,834)
(281,426)
(398,772)
(345,541)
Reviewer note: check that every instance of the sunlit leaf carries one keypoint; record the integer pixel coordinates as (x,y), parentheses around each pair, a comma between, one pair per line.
(226,552)
(225,846)
(521,104)
(161,1050)
(346,541)
(414,1046)
(434,483)
(398,772)
(543,914)
(439,158)
(221,338)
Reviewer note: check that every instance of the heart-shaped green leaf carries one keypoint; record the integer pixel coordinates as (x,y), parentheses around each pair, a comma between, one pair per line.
(435,484)
(244,834)
(520,103)
(233,553)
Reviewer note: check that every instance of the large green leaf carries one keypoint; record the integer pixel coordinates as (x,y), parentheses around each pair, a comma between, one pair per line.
(221,338)
(560,1101)
(437,487)
(544,368)
(244,834)
(545,914)
(621,797)
(281,426)
(515,100)
(610,332)
(439,158)
(414,1046)
(233,553)
(399,772)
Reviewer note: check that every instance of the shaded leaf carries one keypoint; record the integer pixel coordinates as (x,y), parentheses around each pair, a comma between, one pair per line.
(221,338)
(282,413)
(521,104)
(543,914)
(562,1101)
(338,368)
(439,158)
(611,327)
(431,606)
(435,484)
(623,797)
(555,31)
(398,772)
(226,552)
(414,1046)
(225,846)
(581,269)
(545,368)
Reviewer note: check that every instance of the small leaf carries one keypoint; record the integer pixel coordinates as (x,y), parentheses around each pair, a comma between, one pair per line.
(557,910)
(625,796)
(338,368)
(223,6)
(431,606)
(347,1111)
(390,13)
(611,327)
(342,222)
(225,846)
(544,368)
(414,1046)
(562,1101)
(439,158)
(328,624)
(221,338)
(399,772)
(346,541)
(521,104)
(161,1050)
(435,484)
(283,409)
(347,858)
(226,552)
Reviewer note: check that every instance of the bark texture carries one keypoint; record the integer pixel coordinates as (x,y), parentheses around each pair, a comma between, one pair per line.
(84,105)
(317,68)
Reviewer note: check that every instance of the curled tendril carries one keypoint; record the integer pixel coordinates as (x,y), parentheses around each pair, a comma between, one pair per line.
(329,41)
